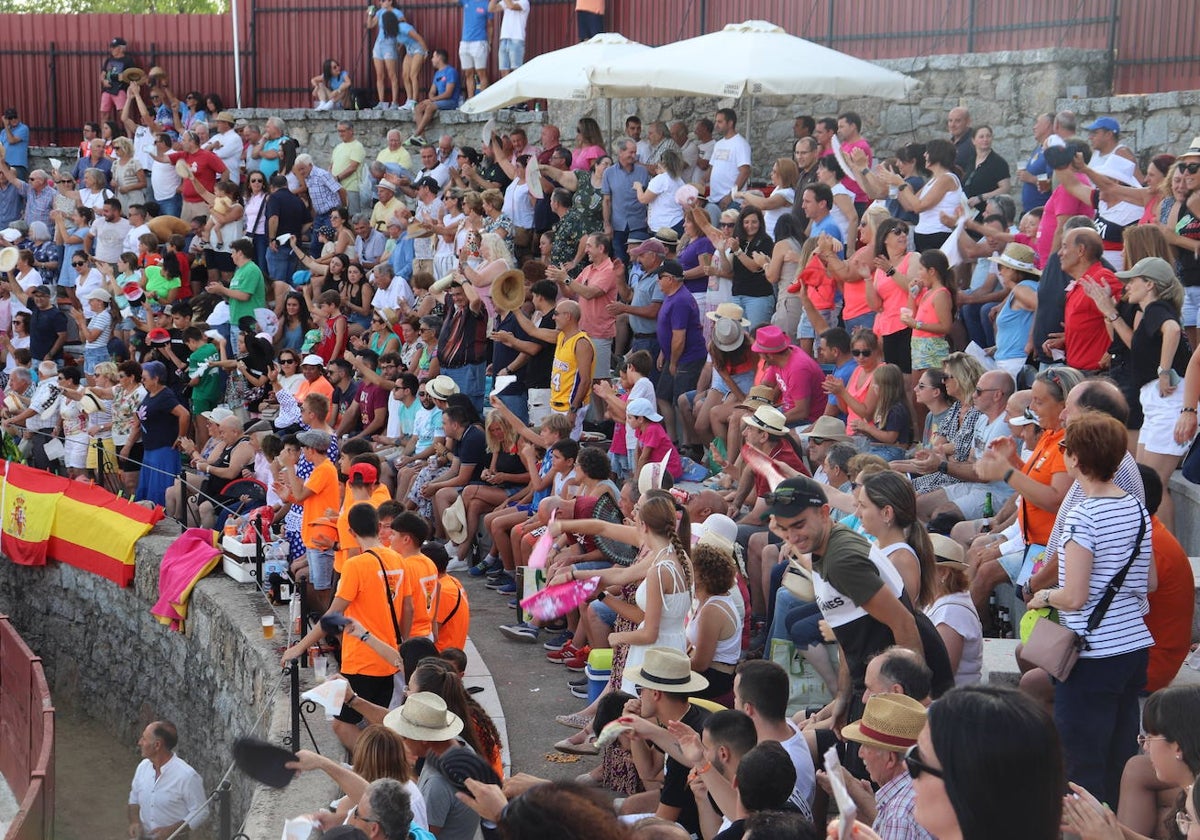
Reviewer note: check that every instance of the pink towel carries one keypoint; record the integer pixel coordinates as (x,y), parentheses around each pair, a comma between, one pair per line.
(189,558)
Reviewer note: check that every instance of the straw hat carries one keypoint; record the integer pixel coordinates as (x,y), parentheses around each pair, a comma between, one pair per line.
(454,520)
(666,669)
(508,290)
(182,169)
(759,395)
(157,73)
(768,418)
(890,722)
(1019,257)
(1193,150)
(442,387)
(948,552)
(424,717)
(8,258)
(829,428)
(732,311)
(133,75)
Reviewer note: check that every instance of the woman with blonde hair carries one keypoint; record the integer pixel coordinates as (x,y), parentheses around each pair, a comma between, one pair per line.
(128,177)
(854,275)
(784,177)
(956,438)
(495,220)
(505,476)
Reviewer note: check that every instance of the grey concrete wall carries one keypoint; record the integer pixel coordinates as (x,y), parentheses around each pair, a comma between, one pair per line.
(107,656)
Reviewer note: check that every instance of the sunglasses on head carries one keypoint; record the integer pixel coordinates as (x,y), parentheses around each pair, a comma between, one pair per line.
(785,496)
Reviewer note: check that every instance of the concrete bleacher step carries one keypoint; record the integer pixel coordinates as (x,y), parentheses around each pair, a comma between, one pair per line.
(1000,665)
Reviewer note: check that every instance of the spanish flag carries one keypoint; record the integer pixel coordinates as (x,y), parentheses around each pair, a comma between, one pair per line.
(29,499)
(69,521)
(97,531)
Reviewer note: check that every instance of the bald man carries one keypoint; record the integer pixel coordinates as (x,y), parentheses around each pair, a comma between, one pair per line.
(958,122)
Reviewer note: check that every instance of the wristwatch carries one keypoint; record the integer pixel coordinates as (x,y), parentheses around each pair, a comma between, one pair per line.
(603,594)
(944,467)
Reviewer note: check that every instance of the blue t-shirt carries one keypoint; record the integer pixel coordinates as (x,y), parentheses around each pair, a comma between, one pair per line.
(17,154)
(843,373)
(1013,326)
(826,225)
(1031,196)
(475,20)
(444,78)
(406,40)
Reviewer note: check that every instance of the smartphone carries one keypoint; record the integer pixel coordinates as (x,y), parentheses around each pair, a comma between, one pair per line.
(847,810)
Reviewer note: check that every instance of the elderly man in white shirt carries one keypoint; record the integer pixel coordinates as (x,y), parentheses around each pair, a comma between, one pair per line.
(227,144)
(166,791)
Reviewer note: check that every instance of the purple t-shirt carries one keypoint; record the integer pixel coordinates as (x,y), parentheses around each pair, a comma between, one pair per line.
(680,312)
(689,258)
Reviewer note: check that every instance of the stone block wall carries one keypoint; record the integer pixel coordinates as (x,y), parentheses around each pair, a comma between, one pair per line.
(108,657)
(1150,124)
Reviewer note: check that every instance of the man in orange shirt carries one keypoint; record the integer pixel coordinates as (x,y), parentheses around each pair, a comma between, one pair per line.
(319,497)
(409,531)
(362,485)
(451,611)
(312,367)
(369,581)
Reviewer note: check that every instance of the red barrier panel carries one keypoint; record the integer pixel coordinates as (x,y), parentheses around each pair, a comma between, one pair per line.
(26,736)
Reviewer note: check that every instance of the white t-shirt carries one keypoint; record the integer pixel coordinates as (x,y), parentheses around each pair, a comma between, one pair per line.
(130,242)
(806,776)
(642,389)
(835,212)
(108,238)
(513,21)
(517,204)
(27,281)
(772,217)
(704,151)
(230,151)
(143,146)
(664,210)
(957,611)
(164,180)
(728,155)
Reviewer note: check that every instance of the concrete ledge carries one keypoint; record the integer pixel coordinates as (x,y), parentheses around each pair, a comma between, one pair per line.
(1000,665)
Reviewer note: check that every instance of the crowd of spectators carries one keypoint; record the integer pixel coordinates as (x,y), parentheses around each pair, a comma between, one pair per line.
(864,412)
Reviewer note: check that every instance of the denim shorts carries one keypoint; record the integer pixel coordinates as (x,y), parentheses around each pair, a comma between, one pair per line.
(320,568)
(512,53)
(1191,306)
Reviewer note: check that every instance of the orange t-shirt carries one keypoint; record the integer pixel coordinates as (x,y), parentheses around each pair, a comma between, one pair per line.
(1046,460)
(320,385)
(362,586)
(1171,608)
(420,579)
(453,612)
(347,542)
(324,486)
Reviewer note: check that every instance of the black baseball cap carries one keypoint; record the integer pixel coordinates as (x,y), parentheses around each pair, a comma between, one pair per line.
(793,496)
(672,267)
(10,113)
(117,42)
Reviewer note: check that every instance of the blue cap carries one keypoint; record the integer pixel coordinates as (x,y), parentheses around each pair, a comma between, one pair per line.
(1106,123)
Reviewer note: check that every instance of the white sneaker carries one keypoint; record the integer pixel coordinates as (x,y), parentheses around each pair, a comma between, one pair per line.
(327,105)
(382,106)
(457,566)
(409,105)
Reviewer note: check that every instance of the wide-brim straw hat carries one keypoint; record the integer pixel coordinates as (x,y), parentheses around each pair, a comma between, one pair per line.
(666,669)
(508,290)
(424,717)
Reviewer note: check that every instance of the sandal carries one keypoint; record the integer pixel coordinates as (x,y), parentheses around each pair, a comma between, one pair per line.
(575,721)
(588,747)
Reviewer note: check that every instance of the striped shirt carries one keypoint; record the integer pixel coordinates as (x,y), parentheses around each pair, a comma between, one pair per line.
(1108,529)
(1127,478)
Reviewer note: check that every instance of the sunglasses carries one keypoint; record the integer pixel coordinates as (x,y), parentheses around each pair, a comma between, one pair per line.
(65,181)
(861,353)
(287,361)
(77,264)
(903,231)
(1062,446)
(912,760)
(785,496)
(1189,168)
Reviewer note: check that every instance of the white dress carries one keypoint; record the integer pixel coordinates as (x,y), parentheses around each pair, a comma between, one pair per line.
(75,436)
(676,606)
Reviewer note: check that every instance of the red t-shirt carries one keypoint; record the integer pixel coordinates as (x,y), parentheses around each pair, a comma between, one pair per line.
(1171,608)
(207,166)
(1087,339)
(783,453)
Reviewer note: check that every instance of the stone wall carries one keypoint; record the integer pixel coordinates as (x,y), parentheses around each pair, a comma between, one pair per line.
(1006,90)
(1150,124)
(108,657)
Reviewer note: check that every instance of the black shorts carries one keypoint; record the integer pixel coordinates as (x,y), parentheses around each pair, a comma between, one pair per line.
(377,690)
(897,350)
(134,462)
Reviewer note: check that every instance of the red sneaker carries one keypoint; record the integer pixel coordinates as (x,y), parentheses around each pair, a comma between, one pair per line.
(568,651)
(580,660)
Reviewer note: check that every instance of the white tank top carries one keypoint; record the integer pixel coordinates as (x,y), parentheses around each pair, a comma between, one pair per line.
(1120,169)
(728,651)
(930,221)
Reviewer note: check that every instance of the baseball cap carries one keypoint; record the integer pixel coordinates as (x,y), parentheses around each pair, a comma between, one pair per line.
(642,407)
(650,246)
(361,474)
(41,291)
(10,113)
(312,359)
(1104,123)
(793,496)
(1152,268)
(117,42)
(672,268)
